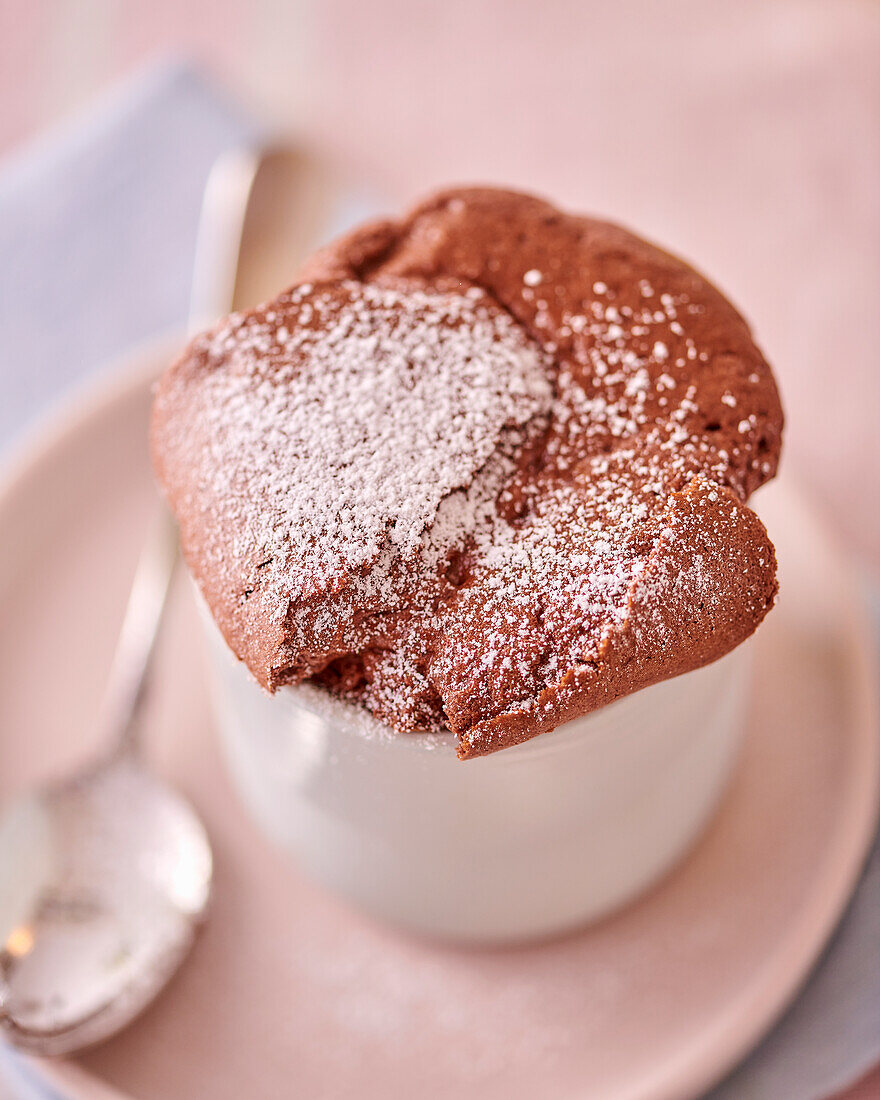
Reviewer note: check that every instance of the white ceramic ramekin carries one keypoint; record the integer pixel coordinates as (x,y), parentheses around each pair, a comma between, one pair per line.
(523,843)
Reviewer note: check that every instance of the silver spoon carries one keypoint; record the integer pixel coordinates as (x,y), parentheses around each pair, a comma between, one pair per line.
(106,875)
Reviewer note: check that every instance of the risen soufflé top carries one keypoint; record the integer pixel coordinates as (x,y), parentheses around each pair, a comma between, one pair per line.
(482,469)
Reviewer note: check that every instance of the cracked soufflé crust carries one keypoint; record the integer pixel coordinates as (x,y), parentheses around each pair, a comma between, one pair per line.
(483,469)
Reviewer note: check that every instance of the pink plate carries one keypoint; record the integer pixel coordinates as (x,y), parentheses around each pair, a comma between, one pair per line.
(290,993)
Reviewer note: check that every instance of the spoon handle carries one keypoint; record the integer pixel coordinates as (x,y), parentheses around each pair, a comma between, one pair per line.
(219,237)
(140,627)
(217,246)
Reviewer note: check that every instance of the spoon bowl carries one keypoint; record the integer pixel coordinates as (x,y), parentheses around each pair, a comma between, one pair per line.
(103,882)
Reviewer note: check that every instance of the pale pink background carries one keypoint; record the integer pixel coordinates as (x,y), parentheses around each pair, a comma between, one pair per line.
(744,134)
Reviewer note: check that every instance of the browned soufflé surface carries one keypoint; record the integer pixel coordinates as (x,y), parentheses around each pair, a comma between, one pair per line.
(484,468)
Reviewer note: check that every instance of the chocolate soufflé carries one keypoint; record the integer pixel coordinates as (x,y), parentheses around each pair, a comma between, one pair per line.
(482,469)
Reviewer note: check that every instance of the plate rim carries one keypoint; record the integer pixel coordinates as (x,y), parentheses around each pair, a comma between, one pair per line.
(88,397)
(764,1001)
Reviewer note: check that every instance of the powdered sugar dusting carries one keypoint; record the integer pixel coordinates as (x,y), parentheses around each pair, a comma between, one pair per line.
(362,411)
(520,575)
(445,510)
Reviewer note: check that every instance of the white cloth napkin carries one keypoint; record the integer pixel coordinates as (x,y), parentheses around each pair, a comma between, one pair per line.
(97,235)
(97,232)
